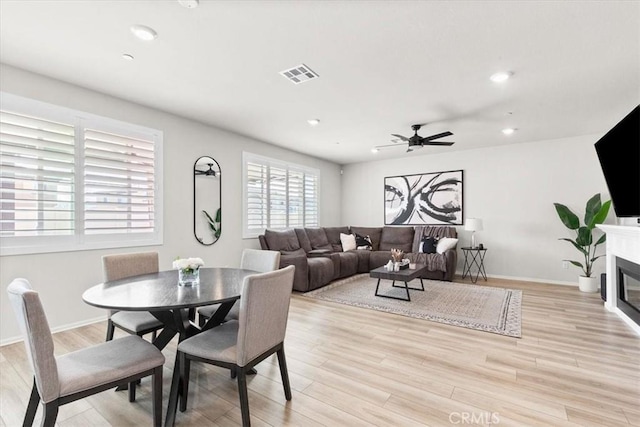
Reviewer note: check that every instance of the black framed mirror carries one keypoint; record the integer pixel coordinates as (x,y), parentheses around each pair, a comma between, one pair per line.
(207,200)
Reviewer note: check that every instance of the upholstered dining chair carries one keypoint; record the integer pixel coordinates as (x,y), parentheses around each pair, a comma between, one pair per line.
(67,378)
(241,344)
(252,259)
(121,266)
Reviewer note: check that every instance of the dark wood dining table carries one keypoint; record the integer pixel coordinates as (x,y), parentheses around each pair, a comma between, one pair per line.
(160,294)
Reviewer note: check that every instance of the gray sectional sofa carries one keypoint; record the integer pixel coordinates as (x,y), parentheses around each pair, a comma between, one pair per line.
(319,258)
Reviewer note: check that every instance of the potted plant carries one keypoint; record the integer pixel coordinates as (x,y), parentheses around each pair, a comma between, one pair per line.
(595,213)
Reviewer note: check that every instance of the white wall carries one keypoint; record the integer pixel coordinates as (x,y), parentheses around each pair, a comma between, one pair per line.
(512,188)
(61,278)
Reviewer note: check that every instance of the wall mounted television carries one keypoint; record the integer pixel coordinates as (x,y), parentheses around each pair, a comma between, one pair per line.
(619,154)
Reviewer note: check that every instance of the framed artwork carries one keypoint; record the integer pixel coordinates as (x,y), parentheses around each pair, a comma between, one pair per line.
(424,199)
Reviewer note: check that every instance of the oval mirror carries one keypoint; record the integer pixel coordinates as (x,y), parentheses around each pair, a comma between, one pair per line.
(207,202)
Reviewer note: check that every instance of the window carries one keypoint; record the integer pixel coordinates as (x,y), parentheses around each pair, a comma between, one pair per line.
(73,181)
(278,195)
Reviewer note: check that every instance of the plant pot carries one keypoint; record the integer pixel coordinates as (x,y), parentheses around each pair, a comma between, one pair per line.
(588,284)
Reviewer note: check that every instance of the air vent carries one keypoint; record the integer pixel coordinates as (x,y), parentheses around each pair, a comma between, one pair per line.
(299,74)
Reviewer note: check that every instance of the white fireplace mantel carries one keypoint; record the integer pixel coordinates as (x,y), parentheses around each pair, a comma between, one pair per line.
(624,242)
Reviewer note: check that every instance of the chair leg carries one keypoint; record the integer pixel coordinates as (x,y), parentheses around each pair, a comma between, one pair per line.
(156,384)
(110,330)
(132,391)
(244,397)
(32,407)
(185,368)
(232,373)
(153,336)
(284,373)
(173,394)
(50,414)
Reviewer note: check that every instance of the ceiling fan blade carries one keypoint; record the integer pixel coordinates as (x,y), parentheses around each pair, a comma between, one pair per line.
(404,138)
(440,135)
(389,145)
(439,143)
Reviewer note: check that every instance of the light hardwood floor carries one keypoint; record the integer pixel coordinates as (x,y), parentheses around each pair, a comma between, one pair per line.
(576,364)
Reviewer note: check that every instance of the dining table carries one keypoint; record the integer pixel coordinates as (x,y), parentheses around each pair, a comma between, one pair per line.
(162,296)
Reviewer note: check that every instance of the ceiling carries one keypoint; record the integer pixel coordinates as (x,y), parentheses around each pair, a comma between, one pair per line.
(383,66)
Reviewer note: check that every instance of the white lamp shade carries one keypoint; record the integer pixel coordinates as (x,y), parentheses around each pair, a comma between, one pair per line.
(473,224)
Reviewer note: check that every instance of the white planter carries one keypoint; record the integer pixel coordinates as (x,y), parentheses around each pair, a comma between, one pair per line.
(588,284)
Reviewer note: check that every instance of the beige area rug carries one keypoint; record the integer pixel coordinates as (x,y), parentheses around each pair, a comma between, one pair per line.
(482,308)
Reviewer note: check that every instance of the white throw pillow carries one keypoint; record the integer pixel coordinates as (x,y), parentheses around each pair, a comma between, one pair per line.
(348,242)
(445,244)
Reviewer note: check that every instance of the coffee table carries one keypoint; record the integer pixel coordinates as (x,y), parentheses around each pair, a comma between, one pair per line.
(404,276)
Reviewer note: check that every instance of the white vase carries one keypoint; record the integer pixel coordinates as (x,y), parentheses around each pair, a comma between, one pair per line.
(588,284)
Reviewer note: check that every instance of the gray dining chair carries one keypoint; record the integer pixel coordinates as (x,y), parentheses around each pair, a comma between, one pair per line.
(121,266)
(241,344)
(59,380)
(252,259)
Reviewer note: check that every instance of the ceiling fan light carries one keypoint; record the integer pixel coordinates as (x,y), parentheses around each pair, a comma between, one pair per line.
(313,122)
(144,33)
(374,150)
(501,76)
(508,131)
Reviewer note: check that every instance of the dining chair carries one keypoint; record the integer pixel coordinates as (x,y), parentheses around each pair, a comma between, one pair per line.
(59,380)
(121,266)
(252,259)
(241,344)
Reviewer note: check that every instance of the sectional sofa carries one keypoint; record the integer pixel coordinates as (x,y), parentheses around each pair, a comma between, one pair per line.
(319,258)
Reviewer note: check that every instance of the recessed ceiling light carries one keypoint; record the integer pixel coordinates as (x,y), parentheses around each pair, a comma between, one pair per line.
(374,150)
(508,131)
(144,33)
(127,57)
(313,122)
(190,4)
(501,76)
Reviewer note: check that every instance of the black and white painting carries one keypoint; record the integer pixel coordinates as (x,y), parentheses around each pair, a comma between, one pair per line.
(425,199)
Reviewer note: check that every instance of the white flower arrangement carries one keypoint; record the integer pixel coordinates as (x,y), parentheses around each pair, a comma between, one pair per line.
(188,264)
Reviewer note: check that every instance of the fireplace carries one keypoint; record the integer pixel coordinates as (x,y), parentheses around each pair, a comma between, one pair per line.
(623,273)
(628,284)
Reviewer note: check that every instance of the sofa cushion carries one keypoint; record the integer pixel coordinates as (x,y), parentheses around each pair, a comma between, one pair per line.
(333,236)
(348,242)
(363,261)
(363,242)
(396,237)
(283,241)
(445,244)
(374,234)
(318,238)
(378,259)
(303,239)
(320,272)
(348,263)
(428,245)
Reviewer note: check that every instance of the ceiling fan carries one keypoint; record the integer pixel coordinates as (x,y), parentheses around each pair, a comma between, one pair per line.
(418,141)
(209,172)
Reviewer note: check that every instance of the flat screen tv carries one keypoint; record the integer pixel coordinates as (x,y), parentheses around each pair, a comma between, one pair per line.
(619,154)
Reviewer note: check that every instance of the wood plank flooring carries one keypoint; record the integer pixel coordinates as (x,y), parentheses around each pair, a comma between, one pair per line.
(575,365)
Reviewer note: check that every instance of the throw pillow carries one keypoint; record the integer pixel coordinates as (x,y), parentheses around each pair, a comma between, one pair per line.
(428,245)
(445,244)
(363,242)
(348,242)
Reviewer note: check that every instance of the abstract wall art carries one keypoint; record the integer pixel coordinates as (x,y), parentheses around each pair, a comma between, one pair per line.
(423,199)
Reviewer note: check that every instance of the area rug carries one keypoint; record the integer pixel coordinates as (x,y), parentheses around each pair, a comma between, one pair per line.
(482,308)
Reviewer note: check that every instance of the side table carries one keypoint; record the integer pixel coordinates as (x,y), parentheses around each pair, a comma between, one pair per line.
(474,257)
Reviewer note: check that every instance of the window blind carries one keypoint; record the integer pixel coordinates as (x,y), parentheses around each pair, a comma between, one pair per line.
(71,180)
(278,195)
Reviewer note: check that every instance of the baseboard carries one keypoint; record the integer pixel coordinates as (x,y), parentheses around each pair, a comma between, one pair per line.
(528,279)
(66,327)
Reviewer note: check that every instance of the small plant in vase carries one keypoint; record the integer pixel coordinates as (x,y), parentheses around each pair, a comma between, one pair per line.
(188,270)
(595,213)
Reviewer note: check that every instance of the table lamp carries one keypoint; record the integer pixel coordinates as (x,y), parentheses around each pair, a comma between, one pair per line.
(473,224)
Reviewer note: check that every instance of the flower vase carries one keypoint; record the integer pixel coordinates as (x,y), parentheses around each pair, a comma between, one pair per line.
(189,276)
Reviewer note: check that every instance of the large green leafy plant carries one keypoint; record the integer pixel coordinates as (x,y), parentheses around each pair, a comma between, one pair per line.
(595,213)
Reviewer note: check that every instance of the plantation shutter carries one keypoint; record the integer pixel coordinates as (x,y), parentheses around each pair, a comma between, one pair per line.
(37,180)
(118,183)
(278,195)
(256,197)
